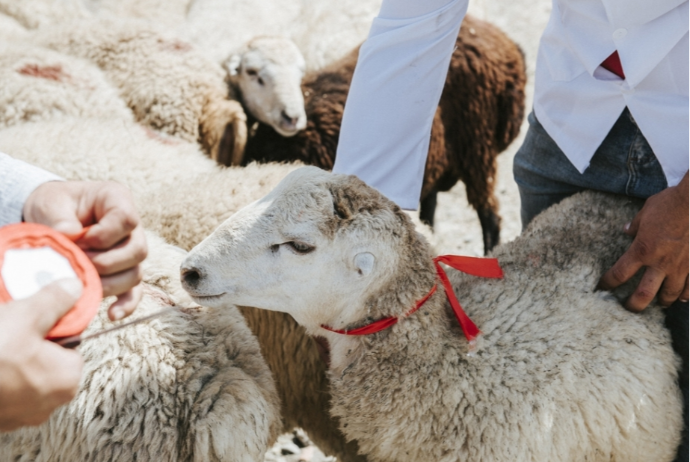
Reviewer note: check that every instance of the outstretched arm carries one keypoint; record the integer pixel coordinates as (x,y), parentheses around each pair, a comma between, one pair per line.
(395,90)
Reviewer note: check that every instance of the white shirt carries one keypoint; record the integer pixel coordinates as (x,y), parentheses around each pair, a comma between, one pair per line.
(17,181)
(402,66)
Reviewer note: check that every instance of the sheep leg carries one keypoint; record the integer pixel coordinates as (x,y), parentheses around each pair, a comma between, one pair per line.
(480,195)
(491,227)
(427,208)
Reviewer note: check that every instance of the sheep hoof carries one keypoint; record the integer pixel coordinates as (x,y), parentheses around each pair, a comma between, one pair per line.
(491,228)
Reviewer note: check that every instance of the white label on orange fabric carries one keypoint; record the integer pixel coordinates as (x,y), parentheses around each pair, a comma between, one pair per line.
(26,271)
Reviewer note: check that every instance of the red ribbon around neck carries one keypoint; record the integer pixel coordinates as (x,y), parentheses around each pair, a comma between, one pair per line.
(482,267)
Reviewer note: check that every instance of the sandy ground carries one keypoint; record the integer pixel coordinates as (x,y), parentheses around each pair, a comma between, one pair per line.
(457,229)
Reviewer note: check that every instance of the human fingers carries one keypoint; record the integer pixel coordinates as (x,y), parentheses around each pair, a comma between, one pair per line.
(625,268)
(684,294)
(115,216)
(53,204)
(633,227)
(49,304)
(646,290)
(125,255)
(121,282)
(125,304)
(671,289)
(57,376)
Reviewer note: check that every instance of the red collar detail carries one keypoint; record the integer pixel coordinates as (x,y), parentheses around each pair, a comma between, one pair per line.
(482,267)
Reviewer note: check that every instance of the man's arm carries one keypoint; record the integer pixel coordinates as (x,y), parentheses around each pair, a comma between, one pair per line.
(17,181)
(660,244)
(395,91)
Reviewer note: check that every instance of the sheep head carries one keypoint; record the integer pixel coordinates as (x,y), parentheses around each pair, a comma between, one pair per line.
(268,73)
(325,248)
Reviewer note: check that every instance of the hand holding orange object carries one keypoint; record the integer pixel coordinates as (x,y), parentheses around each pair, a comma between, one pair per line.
(37,375)
(115,242)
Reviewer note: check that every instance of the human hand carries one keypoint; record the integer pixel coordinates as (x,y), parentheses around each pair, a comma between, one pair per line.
(36,375)
(115,243)
(660,232)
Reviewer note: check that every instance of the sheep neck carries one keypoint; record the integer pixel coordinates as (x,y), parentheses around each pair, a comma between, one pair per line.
(346,345)
(384,323)
(483,267)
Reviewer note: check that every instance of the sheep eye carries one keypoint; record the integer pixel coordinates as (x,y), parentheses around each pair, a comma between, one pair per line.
(300,247)
(251,72)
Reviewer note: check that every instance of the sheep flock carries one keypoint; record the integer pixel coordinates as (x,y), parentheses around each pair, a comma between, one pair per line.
(202,107)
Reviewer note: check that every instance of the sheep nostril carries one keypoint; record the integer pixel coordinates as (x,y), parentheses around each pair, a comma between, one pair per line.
(287,120)
(191,276)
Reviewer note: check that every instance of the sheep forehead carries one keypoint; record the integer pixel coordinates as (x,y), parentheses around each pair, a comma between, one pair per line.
(312,195)
(278,50)
(302,195)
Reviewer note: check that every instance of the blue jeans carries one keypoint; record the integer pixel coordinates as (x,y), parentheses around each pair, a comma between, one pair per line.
(623,164)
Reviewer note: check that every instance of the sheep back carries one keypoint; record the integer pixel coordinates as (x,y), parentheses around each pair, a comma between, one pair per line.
(38,84)
(481,109)
(561,372)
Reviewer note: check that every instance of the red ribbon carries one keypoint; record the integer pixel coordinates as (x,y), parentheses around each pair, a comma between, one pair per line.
(482,267)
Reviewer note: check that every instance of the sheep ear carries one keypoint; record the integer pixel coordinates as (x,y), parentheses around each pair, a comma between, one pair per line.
(364,262)
(232,64)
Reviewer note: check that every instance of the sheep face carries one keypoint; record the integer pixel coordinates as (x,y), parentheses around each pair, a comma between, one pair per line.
(268,74)
(318,247)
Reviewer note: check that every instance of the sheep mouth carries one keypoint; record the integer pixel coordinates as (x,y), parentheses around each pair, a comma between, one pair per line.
(287,131)
(288,127)
(207,298)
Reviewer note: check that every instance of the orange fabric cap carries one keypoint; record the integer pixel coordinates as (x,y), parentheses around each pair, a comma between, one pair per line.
(32,235)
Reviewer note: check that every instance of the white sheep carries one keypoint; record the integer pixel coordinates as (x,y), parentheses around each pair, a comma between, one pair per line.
(182,195)
(266,76)
(172,87)
(561,373)
(167,84)
(189,385)
(37,84)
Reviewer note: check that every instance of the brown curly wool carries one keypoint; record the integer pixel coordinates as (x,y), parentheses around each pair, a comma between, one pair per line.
(480,113)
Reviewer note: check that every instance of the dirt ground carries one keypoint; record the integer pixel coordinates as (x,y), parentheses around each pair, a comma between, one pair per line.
(457,229)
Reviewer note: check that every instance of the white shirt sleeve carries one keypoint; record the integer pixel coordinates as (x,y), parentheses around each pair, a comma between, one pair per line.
(396,87)
(17,181)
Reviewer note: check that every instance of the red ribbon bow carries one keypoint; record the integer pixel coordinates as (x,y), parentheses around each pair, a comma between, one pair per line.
(482,267)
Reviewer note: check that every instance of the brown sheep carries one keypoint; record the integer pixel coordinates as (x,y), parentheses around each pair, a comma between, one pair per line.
(480,113)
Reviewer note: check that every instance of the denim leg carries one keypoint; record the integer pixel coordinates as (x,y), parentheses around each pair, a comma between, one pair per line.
(538,166)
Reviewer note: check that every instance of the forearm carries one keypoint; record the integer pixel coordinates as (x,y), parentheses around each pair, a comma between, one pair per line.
(17,181)
(395,91)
